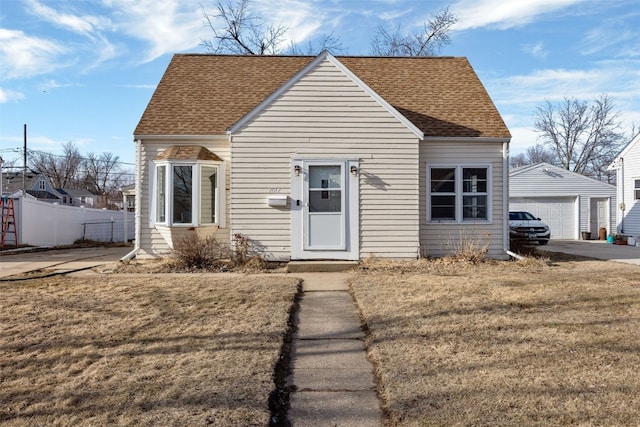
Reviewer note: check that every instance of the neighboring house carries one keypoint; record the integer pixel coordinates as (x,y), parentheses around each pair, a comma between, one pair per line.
(323,157)
(570,203)
(627,166)
(36,185)
(128,197)
(78,197)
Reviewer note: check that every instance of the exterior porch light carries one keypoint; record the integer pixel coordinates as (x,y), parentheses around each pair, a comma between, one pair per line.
(296,170)
(354,170)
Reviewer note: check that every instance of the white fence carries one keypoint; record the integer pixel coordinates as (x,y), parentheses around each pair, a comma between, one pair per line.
(46,224)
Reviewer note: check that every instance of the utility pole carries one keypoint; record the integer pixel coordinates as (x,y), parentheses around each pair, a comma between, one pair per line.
(24,167)
(1,187)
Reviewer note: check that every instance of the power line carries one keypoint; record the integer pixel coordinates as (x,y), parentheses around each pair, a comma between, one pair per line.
(29,150)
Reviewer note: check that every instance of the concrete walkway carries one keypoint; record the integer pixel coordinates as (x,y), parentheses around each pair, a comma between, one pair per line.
(598,249)
(58,260)
(333,380)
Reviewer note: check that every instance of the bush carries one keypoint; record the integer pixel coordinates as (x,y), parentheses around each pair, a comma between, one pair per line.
(193,252)
(245,249)
(468,247)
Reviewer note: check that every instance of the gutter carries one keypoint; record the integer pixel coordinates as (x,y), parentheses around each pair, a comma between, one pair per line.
(138,201)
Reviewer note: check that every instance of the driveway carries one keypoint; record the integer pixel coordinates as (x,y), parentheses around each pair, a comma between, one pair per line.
(59,260)
(599,249)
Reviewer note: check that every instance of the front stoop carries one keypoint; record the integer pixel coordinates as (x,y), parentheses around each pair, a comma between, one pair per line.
(320,266)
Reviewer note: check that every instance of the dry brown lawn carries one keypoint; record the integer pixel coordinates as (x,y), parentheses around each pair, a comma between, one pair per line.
(141,350)
(504,343)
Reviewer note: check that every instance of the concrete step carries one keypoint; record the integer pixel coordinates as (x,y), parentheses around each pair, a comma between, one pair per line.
(320,266)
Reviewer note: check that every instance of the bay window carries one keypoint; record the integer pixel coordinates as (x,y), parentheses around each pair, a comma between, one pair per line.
(187,193)
(458,193)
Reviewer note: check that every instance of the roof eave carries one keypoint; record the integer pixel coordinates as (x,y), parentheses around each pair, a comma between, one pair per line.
(180,137)
(500,139)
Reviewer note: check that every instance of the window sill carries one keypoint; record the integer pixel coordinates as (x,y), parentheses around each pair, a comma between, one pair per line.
(464,222)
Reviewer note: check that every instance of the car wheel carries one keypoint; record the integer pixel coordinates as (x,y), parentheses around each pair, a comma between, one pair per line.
(542,242)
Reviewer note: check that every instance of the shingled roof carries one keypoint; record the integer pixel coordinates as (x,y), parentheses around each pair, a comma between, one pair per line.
(207,94)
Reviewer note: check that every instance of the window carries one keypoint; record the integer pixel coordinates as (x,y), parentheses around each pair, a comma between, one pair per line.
(182,194)
(636,189)
(41,184)
(458,193)
(208,194)
(187,193)
(161,194)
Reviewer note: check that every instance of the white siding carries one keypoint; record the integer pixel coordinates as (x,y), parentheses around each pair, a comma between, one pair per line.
(437,239)
(154,241)
(323,115)
(544,181)
(631,223)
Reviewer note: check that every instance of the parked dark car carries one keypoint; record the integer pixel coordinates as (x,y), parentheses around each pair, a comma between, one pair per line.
(524,227)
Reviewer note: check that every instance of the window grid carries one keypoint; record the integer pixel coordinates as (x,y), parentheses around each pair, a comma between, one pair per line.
(458,193)
(186,193)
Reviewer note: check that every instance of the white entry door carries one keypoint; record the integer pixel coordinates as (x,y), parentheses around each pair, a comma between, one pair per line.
(324,216)
(324,209)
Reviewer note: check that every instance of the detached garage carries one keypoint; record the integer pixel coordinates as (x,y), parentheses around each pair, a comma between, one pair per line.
(568,202)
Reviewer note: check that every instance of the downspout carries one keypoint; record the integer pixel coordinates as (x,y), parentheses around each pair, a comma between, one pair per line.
(505,202)
(622,194)
(138,202)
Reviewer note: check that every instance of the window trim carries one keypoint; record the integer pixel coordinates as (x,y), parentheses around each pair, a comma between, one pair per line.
(196,173)
(459,193)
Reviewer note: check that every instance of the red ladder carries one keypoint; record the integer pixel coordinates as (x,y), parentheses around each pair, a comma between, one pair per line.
(8,217)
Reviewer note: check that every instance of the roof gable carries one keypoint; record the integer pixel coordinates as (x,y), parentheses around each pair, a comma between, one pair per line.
(553,170)
(325,55)
(634,142)
(208,94)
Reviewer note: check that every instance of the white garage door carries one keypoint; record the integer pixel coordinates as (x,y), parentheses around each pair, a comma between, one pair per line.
(557,212)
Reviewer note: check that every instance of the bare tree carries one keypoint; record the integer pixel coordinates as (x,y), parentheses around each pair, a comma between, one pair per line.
(584,137)
(433,37)
(62,170)
(534,154)
(103,175)
(241,31)
(328,42)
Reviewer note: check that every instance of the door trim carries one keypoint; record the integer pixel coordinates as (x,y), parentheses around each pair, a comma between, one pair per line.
(351,248)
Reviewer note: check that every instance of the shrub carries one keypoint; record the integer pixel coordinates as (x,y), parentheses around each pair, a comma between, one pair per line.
(193,252)
(245,249)
(468,247)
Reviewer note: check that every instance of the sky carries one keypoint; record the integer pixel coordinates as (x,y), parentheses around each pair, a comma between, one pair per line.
(83,71)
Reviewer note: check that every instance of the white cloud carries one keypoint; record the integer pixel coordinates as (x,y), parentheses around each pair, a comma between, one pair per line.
(556,84)
(301,18)
(89,26)
(84,24)
(611,39)
(26,56)
(167,26)
(504,14)
(8,95)
(53,84)
(521,139)
(520,95)
(536,50)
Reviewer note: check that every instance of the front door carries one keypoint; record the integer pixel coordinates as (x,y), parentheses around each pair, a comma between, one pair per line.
(599,216)
(324,209)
